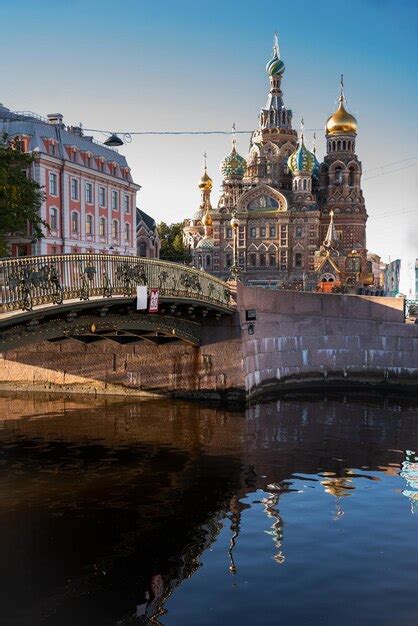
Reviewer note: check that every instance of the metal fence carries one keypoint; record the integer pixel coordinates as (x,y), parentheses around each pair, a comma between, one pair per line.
(26,282)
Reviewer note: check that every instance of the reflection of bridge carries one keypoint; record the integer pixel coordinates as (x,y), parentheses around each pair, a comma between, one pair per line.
(90,296)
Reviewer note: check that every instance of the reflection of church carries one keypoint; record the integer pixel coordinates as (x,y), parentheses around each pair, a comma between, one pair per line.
(300,223)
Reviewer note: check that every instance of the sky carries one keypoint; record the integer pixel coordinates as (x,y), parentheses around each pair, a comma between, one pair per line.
(171,65)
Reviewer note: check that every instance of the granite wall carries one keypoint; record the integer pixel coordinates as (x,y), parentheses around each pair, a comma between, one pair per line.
(306,339)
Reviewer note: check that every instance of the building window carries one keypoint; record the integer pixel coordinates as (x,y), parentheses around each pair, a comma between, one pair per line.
(115,229)
(74,156)
(298,259)
(126,204)
(272,260)
(74,189)
(229,233)
(272,232)
(102,227)
(142,249)
(262,260)
(53,219)
(89,193)
(89,225)
(262,231)
(127,232)
(88,161)
(208,260)
(102,196)
(338,176)
(53,187)
(228,261)
(253,233)
(52,149)
(74,223)
(298,232)
(115,200)
(253,259)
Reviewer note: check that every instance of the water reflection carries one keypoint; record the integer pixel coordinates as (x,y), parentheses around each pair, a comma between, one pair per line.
(118,512)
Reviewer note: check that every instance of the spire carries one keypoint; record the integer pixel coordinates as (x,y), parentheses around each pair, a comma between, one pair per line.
(342,95)
(302,128)
(331,238)
(314,144)
(233,138)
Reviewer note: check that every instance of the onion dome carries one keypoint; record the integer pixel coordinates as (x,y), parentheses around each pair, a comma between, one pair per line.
(233,164)
(302,160)
(206,243)
(198,215)
(275,67)
(206,182)
(341,122)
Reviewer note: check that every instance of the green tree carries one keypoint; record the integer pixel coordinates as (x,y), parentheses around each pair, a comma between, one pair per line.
(172,246)
(20,197)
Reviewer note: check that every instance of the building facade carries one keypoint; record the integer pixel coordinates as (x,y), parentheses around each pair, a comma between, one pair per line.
(90,202)
(147,237)
(295,222)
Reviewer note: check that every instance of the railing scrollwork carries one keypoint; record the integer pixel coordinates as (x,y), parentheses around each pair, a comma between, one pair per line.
(26,282)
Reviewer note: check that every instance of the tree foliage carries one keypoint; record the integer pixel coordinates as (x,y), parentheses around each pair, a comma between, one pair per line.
(172,246)
(20,197)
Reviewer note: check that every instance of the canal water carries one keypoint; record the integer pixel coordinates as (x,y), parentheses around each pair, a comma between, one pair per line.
(299,511)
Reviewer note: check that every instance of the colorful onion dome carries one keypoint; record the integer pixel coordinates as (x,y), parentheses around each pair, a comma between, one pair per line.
(275,67)
(233,164)
(302,160)
(206,182)
(206,243)
(198,215)
(341,122)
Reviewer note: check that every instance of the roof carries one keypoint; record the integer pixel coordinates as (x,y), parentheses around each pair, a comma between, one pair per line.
(38,128)
(149,221)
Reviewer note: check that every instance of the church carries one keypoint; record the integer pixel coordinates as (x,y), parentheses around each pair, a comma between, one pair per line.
(283,219)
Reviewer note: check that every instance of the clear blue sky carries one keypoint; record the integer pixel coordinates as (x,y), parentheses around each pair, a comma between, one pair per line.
(199,64)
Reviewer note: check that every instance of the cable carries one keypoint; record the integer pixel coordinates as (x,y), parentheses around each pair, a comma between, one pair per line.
(399,169)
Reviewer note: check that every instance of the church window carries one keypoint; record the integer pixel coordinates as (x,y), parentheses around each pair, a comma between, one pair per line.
(338,145)
(272,260)
(253,260)
(334,145)
(262,260)
(305,182)
(272,231)
(229,233)
(142,249)
(298,232)
(344,144)
(298,259)
(262,231)
(208,260)
(228,259)
(253,232)
(338,176)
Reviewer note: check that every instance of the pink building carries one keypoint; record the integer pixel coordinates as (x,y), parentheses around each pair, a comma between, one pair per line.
(90,202)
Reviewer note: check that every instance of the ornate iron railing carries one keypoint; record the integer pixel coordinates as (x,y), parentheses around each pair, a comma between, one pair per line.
(26,282)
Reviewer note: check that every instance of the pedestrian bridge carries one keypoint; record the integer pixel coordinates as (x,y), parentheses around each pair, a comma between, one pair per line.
(93,296)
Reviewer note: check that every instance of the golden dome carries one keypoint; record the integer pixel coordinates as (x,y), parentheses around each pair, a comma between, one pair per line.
(206,182)
(341,121)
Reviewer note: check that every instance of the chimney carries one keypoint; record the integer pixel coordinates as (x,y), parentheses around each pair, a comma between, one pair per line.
(75,130)
(55,118)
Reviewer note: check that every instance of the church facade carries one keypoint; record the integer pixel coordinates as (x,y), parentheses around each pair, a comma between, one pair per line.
(284,219)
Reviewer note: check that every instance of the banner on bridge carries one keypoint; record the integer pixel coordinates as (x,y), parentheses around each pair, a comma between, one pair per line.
(153,301)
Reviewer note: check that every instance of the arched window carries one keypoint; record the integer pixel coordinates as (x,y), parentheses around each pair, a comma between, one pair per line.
(115,229)
(344,145)
(74,222)
(89,225)
(304,184)
(142,249)
(298,259)
(53,219)
(351,177)
(208,260)
(127,232)
(338,176)
(102,227)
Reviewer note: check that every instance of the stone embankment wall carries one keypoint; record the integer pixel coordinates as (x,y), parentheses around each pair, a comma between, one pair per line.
(306,339)
(302,340)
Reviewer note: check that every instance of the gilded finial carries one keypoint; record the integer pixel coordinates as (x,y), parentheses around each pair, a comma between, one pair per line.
(234,139)
(204,160)
(314,144)
(302,128)
(342,96)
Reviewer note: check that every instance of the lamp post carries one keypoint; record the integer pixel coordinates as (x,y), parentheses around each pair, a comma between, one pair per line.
(235,270)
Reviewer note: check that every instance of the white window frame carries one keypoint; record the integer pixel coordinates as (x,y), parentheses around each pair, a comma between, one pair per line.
(90,220)
(53,184)
(115,195)
(75,196)
(90,187)
(102,189)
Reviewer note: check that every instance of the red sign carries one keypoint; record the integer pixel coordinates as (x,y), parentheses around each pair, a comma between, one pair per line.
(153,301)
